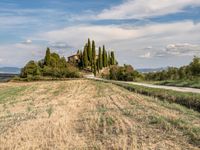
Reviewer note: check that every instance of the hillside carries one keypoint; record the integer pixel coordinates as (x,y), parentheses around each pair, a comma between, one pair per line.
(84,114)
(11,70)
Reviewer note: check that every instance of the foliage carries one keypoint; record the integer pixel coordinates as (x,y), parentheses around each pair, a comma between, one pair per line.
(89,59)
(100,59)
(47,57)
(94,67)
(191,71)
(123,73)
(52,66)
(31,68)
(194,83)
(105,63)
(89,51)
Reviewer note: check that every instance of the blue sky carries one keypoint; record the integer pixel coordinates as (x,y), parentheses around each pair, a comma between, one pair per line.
(146,34)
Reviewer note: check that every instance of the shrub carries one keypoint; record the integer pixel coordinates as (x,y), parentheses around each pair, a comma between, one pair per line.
(125,73)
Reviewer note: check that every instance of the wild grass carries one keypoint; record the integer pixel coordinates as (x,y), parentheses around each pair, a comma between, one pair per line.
(167,124)
(127,112)
(11,92)
(102,109)
(190,100)
(49,110)
(181,83)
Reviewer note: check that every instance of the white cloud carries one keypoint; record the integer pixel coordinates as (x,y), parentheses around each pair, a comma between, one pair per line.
(19,54)
(28,41)
(146,55)
(183,49)
(145,8)
(168,32)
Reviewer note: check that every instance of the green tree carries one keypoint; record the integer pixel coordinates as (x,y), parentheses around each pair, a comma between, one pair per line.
(47,57)
(108,59)
(31,68)
(97,64)
(100,59)
(105,63)
(195,66)
(85,57)
(89,51)
(81,61)
(93,58)
(112,59)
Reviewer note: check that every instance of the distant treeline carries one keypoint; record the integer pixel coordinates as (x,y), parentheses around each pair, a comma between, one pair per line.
(191,71)
(6,76)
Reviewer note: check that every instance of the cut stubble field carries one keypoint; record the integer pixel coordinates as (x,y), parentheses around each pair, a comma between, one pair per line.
(85,114)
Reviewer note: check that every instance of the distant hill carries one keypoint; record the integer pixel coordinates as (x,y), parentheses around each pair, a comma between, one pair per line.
(10,70)
(146,70)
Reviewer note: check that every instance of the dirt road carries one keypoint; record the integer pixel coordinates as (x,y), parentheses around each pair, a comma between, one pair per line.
(85,114)
(180,89)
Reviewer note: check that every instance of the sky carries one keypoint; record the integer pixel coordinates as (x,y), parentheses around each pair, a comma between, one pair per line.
(143,33)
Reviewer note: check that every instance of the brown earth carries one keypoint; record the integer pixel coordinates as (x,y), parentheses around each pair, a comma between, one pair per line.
(83,114)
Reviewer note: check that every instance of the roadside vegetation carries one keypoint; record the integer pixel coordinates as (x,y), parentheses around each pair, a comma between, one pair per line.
(195,83)
(123,73)
(186,76)
(189,100)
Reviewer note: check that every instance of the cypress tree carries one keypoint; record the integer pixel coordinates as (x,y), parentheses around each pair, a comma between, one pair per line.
(80,59)
(100,59)
(47,57)
(104,57)
(109,59)
(89,51)
(93,58)
(97,64)
(85,57)
(112,58)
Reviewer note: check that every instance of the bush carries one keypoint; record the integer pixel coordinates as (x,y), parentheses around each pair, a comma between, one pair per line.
(125,73)
(55,67)
(31,68)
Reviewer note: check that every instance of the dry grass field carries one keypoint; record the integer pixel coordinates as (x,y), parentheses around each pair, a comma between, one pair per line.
(84,114)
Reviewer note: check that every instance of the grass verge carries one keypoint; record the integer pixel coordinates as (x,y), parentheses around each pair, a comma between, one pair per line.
(189,100)
(181,83)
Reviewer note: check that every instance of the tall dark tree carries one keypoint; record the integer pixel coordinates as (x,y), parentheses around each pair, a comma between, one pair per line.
(94,57)
(81,61)
(97,64)
(85,57)
(105,63)
(89,51)
(100,59)
(108,59)
(47,58)
(112,58)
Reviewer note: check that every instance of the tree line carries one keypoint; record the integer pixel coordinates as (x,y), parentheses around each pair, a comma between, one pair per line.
(51,66)
(89,58)
(191,71)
